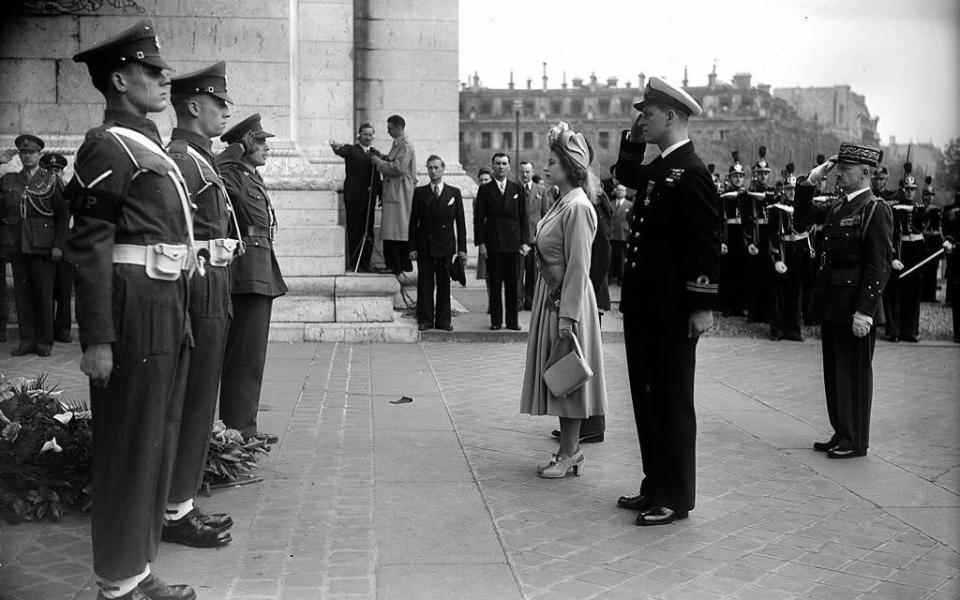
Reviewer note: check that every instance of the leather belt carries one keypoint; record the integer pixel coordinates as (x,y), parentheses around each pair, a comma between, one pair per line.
(219,250)
(912,237)
(133,254)
(259,231)
(796,237)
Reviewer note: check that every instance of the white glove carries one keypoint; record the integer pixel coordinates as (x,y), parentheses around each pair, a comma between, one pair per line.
(948,246)
(818,173)
(897,265)
(861,325)
(724,250)
(753,250)
(780,267)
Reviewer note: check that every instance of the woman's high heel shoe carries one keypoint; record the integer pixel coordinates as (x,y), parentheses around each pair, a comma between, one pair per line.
(561,466)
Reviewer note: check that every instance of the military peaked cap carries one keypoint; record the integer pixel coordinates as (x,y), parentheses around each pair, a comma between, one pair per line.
(138,44)
(660,93)
(854,154)
(209,80)
(53,159)
(250,124)
(28,142)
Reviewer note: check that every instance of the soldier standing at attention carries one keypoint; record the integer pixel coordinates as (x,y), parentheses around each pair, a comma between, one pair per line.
(790,251)
(200,100)
(951,234)
(669,290)
(759,282)
(933,239)
(32,238)
(853,270)
(255,277)
(733,247)
(132,244)
(903,322)
(63,281)
(878,184)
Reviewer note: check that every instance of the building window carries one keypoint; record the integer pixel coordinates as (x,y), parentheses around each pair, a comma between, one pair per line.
(576,107)
(485,139)
(506,140)
(528,107)
(603,140)
(556,107)
(603,106)
(486,107)
(527,140)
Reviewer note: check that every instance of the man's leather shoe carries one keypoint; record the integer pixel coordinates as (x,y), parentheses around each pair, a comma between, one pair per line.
(445,327)
(638,502)
(218,521)
(588,438)
(22,350)
(155,589)
(911,339)
(191,531)
(136,594)
(43,351)
(826,446)
(659,515)
(494,328)
(893,339)
(63,337)
(424,326)
(513,327)
(844,450)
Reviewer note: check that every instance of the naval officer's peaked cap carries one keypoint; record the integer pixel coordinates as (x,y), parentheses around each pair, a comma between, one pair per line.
(660,93)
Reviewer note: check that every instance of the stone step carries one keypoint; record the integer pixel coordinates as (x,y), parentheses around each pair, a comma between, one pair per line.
(400,330)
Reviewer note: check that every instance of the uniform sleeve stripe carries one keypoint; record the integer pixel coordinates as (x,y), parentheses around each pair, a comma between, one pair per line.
(703,288)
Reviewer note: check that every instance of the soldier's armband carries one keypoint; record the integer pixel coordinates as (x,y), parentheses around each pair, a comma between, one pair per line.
(94,205)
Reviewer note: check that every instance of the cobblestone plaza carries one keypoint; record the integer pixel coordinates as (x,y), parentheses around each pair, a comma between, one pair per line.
(438,498)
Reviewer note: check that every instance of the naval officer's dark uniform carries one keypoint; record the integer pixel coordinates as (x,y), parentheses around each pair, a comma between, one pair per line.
(853,270)
(672,262)
(256,281)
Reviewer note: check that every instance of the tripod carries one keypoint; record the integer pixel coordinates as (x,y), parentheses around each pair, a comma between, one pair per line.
(368,217)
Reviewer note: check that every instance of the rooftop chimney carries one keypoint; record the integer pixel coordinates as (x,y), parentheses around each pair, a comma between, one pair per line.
(612,82)
(628,83)
(510,85)
(529,83)
(641,81)
(544,76)
(593,80)
(712,77)
(578,82)
(476,80)
(564,84)
(741,81)
(686,81)
(763,88)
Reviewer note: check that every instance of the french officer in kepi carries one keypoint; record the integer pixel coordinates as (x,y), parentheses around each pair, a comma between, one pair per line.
(669,290)
(56,163)
(202,105)
(853,270)
(256,277)
(132,244)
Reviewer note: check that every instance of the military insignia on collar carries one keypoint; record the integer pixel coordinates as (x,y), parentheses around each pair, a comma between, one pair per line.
(673,175)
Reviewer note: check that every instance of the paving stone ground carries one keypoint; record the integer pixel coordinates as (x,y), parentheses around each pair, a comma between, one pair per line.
(438,498)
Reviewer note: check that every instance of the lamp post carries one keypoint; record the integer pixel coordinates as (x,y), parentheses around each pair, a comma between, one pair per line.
(517,107)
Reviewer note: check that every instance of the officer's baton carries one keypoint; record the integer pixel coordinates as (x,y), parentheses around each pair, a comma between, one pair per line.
(921,263)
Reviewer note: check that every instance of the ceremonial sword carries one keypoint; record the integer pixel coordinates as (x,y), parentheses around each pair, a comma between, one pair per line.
(921,263)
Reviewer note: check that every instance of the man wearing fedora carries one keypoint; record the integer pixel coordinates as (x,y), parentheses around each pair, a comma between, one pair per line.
(853,271)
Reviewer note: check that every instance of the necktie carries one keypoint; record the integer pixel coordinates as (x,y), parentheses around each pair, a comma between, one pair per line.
(436,190)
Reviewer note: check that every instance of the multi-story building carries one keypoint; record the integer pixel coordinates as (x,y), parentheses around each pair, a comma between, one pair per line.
(838,109)
(737,116)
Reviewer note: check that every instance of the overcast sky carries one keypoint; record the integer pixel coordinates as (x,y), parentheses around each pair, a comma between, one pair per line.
(902,55)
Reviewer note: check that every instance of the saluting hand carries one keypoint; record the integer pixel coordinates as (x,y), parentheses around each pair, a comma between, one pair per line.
(7,155)
(97,364)
(724,250)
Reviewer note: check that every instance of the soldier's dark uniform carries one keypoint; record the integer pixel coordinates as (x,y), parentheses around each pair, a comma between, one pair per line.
(933,241)
(733,263)
(210,311)
(256,281)
(756,227)
(822,200)
(34,224)
(903,311)
(63,281)
(672,263)
(853,270)
(132,246)
(791,247)
(951,234)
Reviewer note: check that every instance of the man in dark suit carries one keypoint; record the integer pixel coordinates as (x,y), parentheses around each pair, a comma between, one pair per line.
(501,234)
(437,210)
(361,188)
(669,290)
(855,266)
(537,203)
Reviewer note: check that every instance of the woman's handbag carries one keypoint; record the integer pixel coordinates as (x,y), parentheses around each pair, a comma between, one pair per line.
(568,373)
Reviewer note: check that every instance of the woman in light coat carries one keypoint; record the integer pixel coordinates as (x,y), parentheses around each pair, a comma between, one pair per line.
(564,303)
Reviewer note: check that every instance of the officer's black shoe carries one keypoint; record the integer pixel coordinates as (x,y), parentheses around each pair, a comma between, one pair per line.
(43,350)
(191,531)
(218,521)
(445,327)
(826,446)
(155,589)
(660,515)
(22,350)
(638,502)
(425,326)
(844,450)
(893,339)
(63,337)
(585,438)
(911,339)
(494,328)
(513,327)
